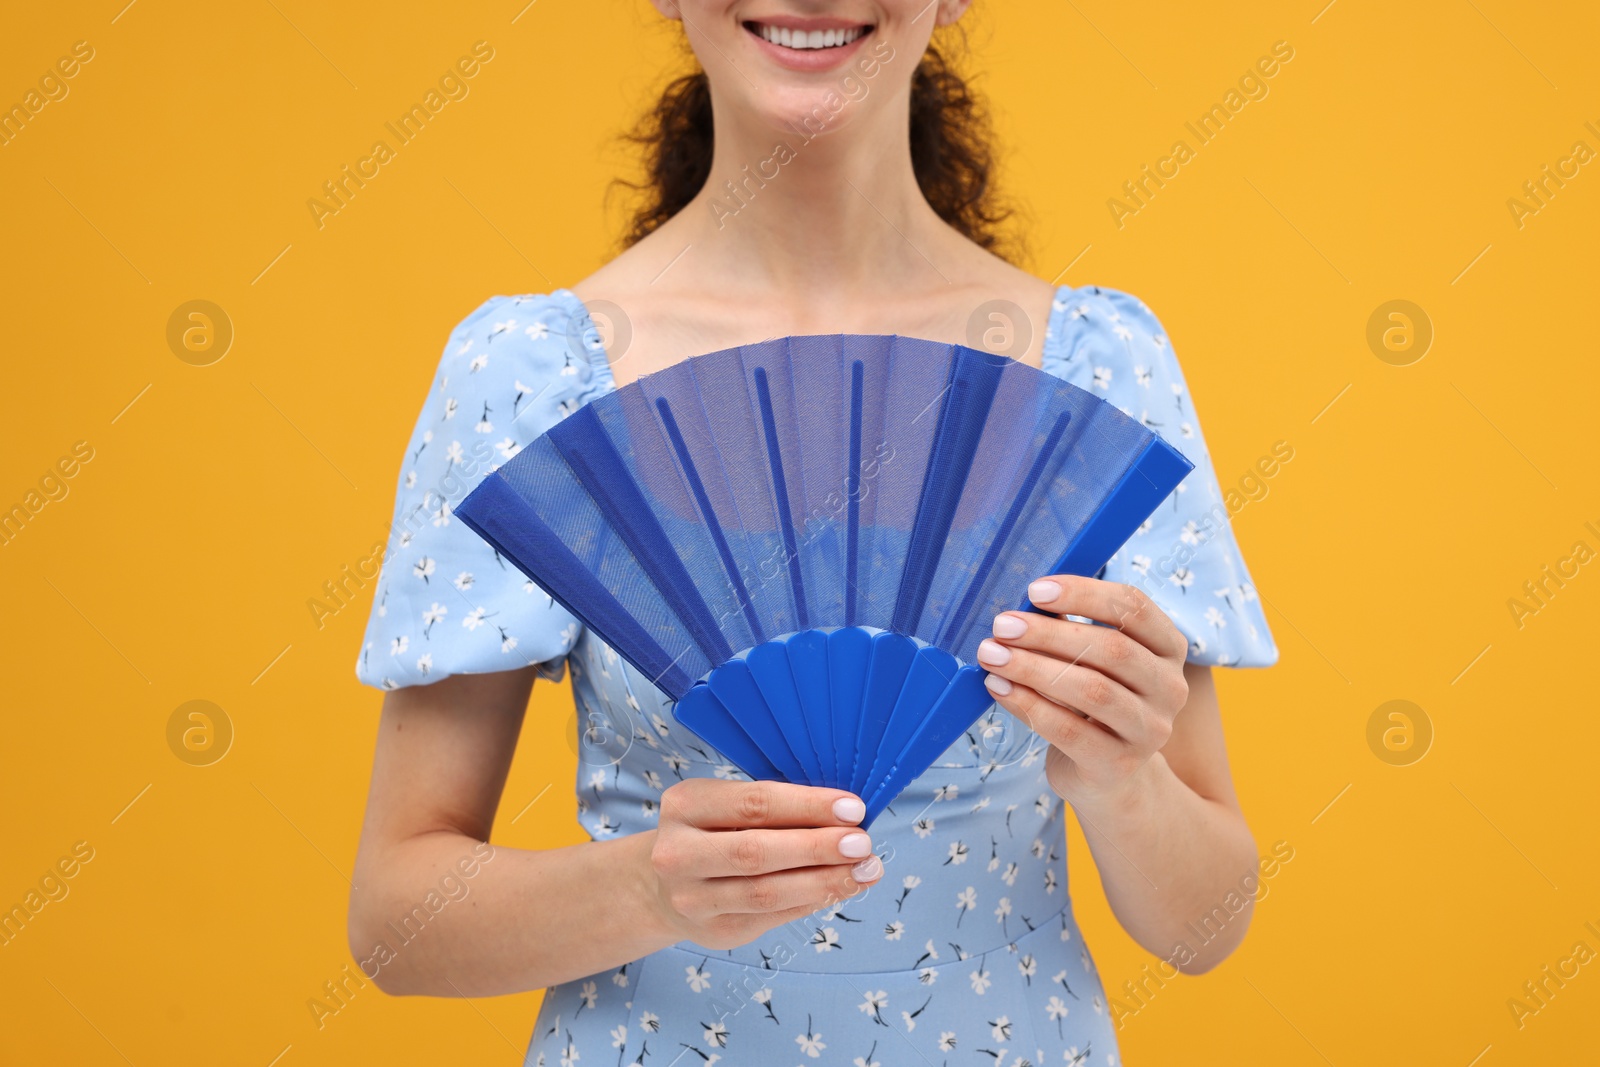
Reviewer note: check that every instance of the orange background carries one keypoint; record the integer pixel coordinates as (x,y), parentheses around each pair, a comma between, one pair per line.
(1420,897)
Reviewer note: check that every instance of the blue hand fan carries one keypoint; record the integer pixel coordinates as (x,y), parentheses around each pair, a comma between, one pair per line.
(803,541)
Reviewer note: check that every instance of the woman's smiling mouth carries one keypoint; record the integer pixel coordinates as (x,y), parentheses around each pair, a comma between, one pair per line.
(808,45)
(798,39)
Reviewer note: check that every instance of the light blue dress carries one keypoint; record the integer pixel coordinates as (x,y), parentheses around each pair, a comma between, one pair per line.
(967,951)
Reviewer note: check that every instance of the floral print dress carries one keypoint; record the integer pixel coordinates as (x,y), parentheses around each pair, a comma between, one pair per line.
(967,951)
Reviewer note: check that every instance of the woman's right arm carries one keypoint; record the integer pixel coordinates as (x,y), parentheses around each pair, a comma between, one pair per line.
(728,861)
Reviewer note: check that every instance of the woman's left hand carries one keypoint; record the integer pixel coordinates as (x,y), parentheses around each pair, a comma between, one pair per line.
(1104,697)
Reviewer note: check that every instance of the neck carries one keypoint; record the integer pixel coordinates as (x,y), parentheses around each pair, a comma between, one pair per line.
(829,211)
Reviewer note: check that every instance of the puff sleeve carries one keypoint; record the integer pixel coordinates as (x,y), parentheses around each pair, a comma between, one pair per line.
(447,603)
(1185,555)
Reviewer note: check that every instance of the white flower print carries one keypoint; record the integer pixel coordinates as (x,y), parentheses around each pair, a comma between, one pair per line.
(425,662)
(619,1036)
(473,619)
(650,1022)
(1216,618)
(463,581)
(980,981)
(538,331)
(589,995)
(1182,577)
(958,853)
(810,1042)
(716,1035)
(699,980)
(947,1041)
(423,568)
(1000,1029)
(1141,374)
(893,931)
(399,645)
(825,938)
(923,827)
(433,615)
(455,452)
(508,448)
(1102,378)
(867,1060)
(873,1004)
(1027,966)
(966,900)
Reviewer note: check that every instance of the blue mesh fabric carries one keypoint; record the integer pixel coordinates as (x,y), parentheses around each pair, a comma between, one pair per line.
(713,505)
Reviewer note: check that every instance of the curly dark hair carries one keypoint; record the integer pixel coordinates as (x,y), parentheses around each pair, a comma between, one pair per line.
(952,154)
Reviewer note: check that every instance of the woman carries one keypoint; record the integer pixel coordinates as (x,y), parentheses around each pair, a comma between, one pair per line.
(824,174)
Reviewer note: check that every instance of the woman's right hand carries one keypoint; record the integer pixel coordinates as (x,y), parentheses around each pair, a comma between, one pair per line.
(732,860)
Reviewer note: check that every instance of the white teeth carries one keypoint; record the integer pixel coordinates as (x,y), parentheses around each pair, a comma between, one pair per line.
(803,40)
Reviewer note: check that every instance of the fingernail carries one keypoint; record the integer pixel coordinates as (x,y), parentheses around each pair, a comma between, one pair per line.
(997,685)
(867,870)
(1043,592)
(1009,626)
(995,655)
(854,846)
(849,809)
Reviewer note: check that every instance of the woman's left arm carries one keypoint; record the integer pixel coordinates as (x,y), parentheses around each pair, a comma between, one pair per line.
(1137,750)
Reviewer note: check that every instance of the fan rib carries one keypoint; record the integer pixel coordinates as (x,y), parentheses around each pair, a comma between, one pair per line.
(853,491)
(703,501)
(1138,493)
(974,377)
(781,492)
(502,517)
(583,442)
(997,544)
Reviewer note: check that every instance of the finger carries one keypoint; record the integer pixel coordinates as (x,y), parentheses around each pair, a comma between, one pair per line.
(1081,740)
(1124,607)
(812,888)
(1080,689)
(714,804)
(753,852)
(1111,652)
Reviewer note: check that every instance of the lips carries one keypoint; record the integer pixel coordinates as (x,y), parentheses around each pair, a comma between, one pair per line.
(808,45)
